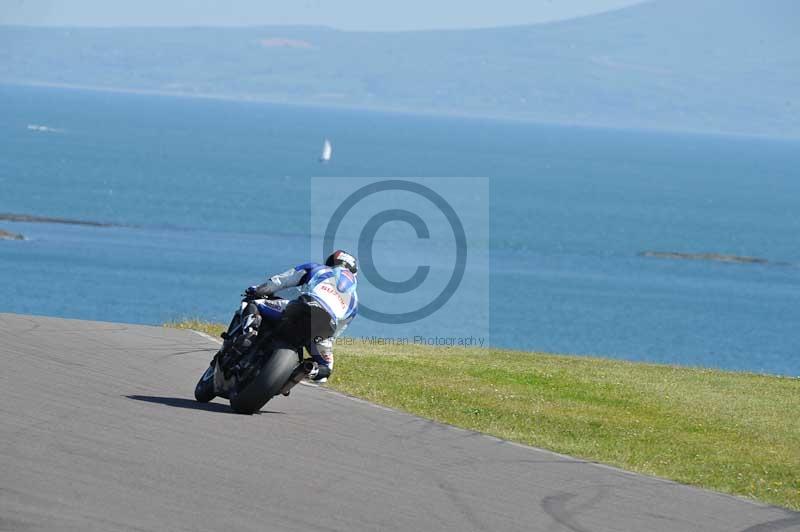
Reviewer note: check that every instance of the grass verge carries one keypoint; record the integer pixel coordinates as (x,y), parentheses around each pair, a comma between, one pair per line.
(737,433)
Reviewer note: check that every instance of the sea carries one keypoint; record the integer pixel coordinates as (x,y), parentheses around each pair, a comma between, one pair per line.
(195,199)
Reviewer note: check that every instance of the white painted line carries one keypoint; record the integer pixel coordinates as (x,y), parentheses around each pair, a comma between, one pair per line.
(208,337)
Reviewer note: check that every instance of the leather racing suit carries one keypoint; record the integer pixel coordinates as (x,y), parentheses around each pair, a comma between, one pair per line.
(334,288)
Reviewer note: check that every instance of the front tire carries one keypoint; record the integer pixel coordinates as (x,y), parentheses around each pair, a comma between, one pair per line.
(204,391)
(268,383)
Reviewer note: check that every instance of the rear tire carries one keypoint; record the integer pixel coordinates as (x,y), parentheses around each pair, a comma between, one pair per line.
(204,391)
(268,383)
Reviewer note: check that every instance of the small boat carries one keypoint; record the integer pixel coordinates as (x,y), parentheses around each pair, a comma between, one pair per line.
(327,150)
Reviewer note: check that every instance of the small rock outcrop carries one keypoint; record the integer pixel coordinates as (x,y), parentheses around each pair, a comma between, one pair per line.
(5,235)
(704,256)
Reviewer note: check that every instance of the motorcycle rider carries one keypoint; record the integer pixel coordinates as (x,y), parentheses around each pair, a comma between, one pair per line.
(331,286)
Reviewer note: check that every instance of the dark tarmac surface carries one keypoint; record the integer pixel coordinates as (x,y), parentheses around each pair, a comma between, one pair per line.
(99,431)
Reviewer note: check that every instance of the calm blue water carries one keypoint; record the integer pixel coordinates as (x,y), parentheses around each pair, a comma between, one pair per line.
(195,182)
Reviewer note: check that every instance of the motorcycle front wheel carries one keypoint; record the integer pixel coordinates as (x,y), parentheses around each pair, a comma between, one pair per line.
(204,391)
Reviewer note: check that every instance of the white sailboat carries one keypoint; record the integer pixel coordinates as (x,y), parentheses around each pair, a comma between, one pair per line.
(327,151)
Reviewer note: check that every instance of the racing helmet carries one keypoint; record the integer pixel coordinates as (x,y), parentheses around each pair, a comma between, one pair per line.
(344,259)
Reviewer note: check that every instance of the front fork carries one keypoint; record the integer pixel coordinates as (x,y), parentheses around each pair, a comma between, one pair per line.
(236,322)
(221,383)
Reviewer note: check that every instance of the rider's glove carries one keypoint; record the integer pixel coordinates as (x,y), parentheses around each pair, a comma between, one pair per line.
(251,292)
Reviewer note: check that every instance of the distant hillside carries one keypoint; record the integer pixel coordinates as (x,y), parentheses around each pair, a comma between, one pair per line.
(704,65)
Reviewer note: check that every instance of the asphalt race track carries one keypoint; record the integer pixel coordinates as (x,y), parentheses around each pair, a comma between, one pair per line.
(99,431)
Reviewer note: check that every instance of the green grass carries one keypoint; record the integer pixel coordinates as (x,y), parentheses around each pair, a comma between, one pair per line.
(737,433)
(211,329)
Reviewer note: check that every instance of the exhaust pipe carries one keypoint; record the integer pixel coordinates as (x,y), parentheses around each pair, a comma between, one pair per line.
(299,374)
(308,366)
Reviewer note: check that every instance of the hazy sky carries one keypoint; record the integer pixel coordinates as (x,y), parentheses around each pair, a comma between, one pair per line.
(344,14)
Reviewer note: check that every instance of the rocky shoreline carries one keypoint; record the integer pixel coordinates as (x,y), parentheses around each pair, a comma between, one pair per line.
(719,257)
(30,218)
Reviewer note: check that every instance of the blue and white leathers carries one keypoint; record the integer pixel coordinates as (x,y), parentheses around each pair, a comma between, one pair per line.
(334,288)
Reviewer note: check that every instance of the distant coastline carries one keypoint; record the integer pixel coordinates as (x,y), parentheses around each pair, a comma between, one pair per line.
(315,104)
(399,110)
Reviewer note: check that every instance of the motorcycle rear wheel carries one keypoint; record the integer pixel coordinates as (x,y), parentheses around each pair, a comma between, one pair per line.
(268,383)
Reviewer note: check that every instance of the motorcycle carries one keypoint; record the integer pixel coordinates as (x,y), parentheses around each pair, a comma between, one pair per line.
(273,365)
